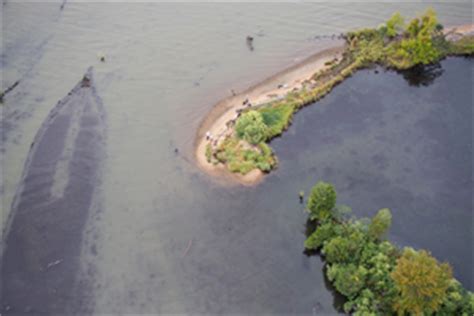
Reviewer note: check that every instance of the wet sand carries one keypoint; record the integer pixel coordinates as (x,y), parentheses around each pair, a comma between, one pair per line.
(226,110)
(43,235)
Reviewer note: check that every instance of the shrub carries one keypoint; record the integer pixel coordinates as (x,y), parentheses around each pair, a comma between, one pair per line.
(463,46)
(208,153)
(348,279)
(380,224)
(394,25)
(277,118)
(241,159)
(458,301)
(250,127)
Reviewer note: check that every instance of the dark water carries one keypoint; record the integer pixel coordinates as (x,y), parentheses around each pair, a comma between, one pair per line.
(387,142)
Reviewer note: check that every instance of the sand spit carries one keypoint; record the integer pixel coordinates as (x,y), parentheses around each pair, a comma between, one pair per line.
(272,88)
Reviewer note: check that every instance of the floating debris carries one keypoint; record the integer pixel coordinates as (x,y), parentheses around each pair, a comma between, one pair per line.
(249,40)
(9,89)
(54,263)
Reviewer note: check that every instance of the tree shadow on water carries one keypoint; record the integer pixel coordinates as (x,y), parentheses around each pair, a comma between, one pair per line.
(338,298)
(423,75)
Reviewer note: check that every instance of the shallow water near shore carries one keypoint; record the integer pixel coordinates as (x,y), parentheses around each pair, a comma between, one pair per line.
(167,239)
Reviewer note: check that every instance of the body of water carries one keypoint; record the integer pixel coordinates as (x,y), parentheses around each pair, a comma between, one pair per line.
(161,236)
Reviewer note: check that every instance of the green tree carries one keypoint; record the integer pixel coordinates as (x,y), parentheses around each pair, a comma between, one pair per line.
(348,279)
(323,234)
(250,126)
(458,301)
(365,304)
(380,224)
(345,249)
(394,25)
(322,201)
(421,283)
(418,46)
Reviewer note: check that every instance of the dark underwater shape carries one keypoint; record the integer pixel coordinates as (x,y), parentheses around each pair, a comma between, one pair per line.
(43,237)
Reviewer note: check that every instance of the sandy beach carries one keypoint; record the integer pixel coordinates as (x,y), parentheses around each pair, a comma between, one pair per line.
(274,87)
(465,29)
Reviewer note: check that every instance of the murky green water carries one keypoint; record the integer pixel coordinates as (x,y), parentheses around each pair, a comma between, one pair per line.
(167,239)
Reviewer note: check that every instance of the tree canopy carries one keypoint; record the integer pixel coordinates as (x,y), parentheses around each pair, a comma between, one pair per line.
(250,127)
(380,224)
(421,282)
(394,25)
(322,201)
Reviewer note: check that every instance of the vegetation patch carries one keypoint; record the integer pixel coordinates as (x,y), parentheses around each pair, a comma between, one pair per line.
(375,276)
(242,158)
(251,127)
(463,46)
(209,153)
(277,118)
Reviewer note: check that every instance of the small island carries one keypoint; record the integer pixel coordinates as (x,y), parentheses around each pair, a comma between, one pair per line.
(374,275)
(233,139)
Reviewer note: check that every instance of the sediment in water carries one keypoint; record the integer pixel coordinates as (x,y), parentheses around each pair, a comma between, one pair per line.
(43,235)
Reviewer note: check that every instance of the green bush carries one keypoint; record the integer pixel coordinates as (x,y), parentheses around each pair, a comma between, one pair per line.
(208,153)
(277,118)
(243,159)
(380,224)
(394,25)
(348,279)
(250,127)
(463,46)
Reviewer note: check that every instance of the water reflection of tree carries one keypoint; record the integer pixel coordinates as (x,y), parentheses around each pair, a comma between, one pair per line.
(423,75)
(338,298)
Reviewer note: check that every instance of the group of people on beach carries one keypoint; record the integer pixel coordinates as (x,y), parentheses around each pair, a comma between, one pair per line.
(213,139)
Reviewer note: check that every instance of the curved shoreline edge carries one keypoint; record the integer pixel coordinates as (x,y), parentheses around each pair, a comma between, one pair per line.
(225,110)
(292,78)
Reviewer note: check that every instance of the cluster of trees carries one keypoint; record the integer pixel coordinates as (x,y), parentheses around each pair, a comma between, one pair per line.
(375,276)
(403,45)
(246,150)
(419,42)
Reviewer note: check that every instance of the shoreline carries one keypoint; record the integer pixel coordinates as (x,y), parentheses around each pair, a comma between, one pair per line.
(267,90)
(292,78)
